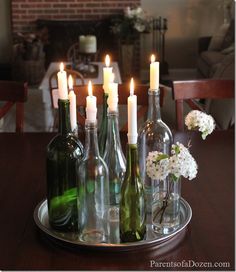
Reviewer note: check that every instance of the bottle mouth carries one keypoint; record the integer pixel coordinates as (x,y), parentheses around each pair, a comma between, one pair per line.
(154,91)
(90,124)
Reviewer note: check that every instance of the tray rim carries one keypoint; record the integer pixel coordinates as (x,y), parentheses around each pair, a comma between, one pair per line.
(109,246)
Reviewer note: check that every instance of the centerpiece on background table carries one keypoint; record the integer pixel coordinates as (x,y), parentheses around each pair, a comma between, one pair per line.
(127,27)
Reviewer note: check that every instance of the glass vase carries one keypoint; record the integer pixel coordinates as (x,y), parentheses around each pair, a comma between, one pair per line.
(132,204)
(102,137)
(166,205)
(93,190)
(62,154)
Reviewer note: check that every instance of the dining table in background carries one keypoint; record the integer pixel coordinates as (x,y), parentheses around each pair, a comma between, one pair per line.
(207,240)
(54,66)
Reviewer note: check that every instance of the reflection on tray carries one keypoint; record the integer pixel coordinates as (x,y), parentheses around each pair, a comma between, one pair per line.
(87,70)
(152,238)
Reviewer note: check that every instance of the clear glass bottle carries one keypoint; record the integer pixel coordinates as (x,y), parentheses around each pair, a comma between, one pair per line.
(93,190)
(132,204)
(62,153)
(102,137)
(114,158)
(154,135)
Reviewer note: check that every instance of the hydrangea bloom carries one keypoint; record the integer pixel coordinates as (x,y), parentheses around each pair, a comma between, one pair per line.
(198,119)
(157,165)
(181,162)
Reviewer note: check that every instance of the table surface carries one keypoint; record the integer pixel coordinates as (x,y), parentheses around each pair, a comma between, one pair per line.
(208,238)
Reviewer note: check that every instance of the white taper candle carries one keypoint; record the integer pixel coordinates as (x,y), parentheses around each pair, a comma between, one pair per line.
(72,98)
(132,115)
(154,74)
(62,83)
(91,105)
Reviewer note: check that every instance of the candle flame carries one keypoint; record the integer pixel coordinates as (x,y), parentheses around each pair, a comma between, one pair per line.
(107,61)
(61,67)
(90,89)
(132,86)
(153,58)
(70,82)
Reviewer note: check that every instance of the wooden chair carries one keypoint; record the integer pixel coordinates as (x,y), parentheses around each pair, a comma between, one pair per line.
(53,85)
(187,91)
(123,90)
(14,93)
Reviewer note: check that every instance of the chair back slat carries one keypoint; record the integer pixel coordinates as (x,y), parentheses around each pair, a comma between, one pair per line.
(14,93)
(199,89)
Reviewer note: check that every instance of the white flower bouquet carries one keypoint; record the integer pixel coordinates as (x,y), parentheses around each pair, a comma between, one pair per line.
(163,167)
(132,22)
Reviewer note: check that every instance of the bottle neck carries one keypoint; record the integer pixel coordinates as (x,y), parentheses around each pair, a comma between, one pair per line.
(64,116)
(113,134)
(104,112)
(154,112)
(91,139)
(132,161)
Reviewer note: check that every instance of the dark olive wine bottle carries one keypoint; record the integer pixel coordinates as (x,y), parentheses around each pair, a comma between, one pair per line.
(62,153)
(132,204)
(102,136)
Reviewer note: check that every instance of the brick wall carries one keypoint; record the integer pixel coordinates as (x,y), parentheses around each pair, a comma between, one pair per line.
(25,12)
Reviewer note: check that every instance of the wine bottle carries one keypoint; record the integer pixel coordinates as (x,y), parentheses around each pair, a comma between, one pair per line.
(132,205)
(113,155)
(154,135)
(102,137)
(93,185)
(93,181)
(62,154)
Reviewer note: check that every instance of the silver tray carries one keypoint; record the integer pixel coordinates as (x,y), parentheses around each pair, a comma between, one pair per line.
(71,240)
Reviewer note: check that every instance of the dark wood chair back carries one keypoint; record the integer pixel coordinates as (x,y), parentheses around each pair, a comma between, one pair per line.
(123,90)
(14,93)
(187,91)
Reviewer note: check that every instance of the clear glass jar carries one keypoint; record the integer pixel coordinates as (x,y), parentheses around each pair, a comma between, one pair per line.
(166,205)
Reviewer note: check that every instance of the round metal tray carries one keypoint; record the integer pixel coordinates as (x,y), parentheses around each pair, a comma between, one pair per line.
(71,240)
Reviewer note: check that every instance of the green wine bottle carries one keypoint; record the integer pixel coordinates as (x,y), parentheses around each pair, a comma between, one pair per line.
(102,137)
(132,205)
(62,153)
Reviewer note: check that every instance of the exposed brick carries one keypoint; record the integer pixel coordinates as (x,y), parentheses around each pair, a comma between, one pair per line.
(67,11)
(76,5)
(60,5)
(19,11)
(24,12)
(36,11)
(51,11)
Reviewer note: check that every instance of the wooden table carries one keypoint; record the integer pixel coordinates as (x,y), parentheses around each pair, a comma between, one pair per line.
(208,238)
